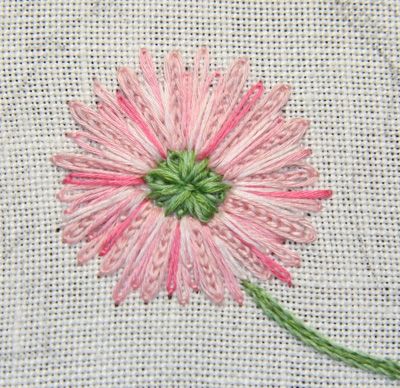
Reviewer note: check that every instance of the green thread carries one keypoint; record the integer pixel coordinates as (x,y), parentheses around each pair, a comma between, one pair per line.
(273,310)
(184,186)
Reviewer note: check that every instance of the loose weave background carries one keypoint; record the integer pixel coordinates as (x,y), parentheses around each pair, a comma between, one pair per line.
(58,324)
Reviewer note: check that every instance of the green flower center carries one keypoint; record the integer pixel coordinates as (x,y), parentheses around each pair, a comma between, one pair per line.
(184,186)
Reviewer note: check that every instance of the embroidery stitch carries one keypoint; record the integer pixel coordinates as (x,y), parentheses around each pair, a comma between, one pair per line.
(185,187)
(225,168)
(273,310)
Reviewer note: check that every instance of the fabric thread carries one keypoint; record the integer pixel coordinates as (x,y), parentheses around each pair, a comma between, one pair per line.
(58,324)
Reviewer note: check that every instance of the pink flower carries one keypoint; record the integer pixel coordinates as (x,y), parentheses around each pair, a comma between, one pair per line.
(188,183)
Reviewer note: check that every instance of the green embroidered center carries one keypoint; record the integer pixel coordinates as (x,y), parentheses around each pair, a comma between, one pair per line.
(184,186)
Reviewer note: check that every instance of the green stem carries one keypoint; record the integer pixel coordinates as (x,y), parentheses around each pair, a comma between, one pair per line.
(273,310)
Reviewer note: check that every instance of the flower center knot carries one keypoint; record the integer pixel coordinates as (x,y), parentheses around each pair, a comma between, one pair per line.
(184,186)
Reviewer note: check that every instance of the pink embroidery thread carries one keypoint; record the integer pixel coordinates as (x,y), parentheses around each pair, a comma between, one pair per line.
(244,139)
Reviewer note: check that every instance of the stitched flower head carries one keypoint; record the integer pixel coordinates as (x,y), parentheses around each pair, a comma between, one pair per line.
(188,181)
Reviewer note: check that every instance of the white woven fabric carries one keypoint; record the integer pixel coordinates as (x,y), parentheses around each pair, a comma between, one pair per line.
(58,325)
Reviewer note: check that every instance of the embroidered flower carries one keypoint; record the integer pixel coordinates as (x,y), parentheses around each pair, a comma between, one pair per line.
(188,183)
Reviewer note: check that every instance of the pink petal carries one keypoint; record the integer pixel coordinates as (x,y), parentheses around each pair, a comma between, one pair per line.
(253,126)
(294,228)
(116,257)
(138,257)
(175,91)
(150,75)
(223,100)
(102,179)
(106,129)
(238,251)
(174,260)
(245,105)
(132,89)
(157,268)
(84,163)
(108,150)
(292,176)
(274,162)
(116,232)
(275,268)
(230,281)
(132,112)
(276,143)
(82,226)
(210,280)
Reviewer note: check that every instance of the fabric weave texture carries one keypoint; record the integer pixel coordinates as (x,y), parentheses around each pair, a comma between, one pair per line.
(57,325)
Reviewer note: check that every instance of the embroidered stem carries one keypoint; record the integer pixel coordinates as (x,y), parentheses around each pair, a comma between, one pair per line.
(273,310)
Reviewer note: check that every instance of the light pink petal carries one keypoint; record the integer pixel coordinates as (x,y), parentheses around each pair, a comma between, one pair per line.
(104,95)
(89,250)
(105,218)
(295,202)
(106,128)
(294,228)
(210,278)
(85,163)
(286,201)
(190,268)
(268,242)
(173,261)
(183,287)
(175,102)
(184,278)
(280,141)
(128,133)
(243,235)
(253,126)
(187,115)
(72,193)
(202,105)
(95,240)
(100,204)
(132,89)
(124,133)
(223,100)
(201,72)
(245,105)
(157,269)
(230,281)
(150,76)
(82,226)
(292,176)
(89,197)
(273,162)
(236,154)
(116,257)
(197,89)
(107,150)
(238,251)
(125,222)
(244,262)
(155,146)
(139,256)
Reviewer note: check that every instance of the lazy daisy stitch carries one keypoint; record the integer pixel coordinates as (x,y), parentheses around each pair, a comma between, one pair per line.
(188,183)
